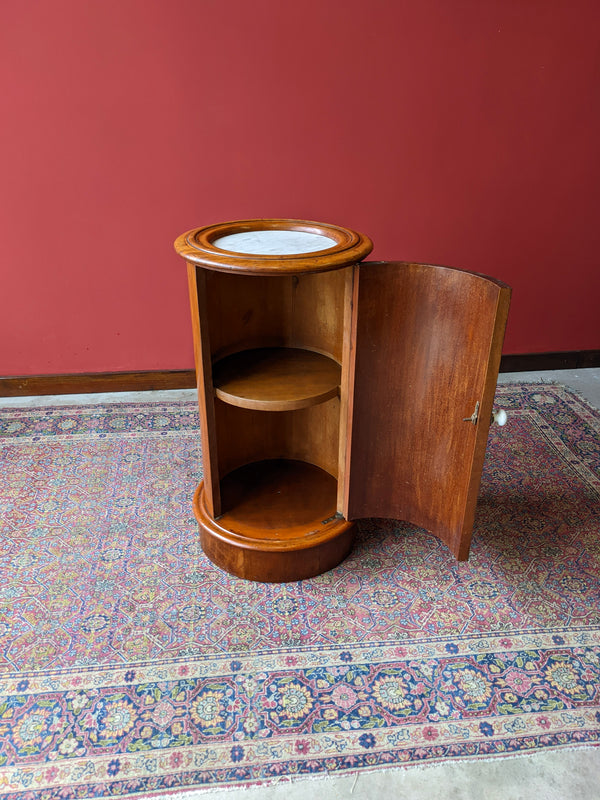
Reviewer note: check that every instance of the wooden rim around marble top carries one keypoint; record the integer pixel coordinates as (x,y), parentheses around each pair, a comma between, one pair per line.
(197,246)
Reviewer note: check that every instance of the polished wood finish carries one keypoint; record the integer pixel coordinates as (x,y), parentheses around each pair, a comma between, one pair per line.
(331,390)
(94,382)
(253,311)
(246,312)
(317,312)
(301,313)
(279,523)
(346,390)
(277,500)
(197,247)
(308,434)
(428,342)
(276,379)
(200,330)
(270,334)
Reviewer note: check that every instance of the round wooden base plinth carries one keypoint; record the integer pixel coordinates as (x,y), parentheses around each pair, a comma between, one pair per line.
(279,523)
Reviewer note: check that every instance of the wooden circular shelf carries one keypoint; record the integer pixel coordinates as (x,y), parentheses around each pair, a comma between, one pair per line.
(276,379)
(279,522)
(334,247)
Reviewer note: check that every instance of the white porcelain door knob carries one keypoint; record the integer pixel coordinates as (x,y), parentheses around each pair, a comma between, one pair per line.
(499,417)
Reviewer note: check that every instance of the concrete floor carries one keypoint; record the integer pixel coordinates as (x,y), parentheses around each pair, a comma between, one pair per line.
(584,381)
(572,774)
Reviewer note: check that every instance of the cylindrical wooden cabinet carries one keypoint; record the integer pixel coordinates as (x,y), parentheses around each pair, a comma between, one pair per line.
(332,389)
(270,302)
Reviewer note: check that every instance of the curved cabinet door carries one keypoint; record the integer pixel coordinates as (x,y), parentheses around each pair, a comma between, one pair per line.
(427,344)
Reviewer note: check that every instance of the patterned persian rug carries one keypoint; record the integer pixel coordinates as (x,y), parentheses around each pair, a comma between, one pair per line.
(130,665)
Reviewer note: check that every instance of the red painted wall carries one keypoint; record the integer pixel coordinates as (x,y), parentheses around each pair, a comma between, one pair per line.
(462,133)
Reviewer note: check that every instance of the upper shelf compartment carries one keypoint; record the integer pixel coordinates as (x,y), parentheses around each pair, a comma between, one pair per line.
(276,379)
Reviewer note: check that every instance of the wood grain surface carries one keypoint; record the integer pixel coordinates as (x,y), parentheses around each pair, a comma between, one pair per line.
(279,523)
(428,342)
(276,379)
(197,246)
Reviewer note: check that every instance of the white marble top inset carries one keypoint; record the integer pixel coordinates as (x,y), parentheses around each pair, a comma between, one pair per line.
(274,243)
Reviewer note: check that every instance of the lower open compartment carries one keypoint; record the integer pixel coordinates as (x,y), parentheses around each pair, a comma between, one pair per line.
(278,484)
(279,522)
(279,500)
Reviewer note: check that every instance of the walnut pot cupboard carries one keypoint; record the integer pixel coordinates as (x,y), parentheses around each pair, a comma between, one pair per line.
(332,389)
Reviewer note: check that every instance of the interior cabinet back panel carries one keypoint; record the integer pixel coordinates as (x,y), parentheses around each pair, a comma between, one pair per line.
(308,434)
(248,311)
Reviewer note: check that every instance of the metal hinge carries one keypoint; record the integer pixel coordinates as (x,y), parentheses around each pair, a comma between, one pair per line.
(337,515)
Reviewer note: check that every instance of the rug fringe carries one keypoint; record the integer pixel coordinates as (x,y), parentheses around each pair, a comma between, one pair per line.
(446,765)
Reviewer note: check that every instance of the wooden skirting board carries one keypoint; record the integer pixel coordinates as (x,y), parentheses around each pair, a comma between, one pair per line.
(28,385)
(97,382)
(532,362)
